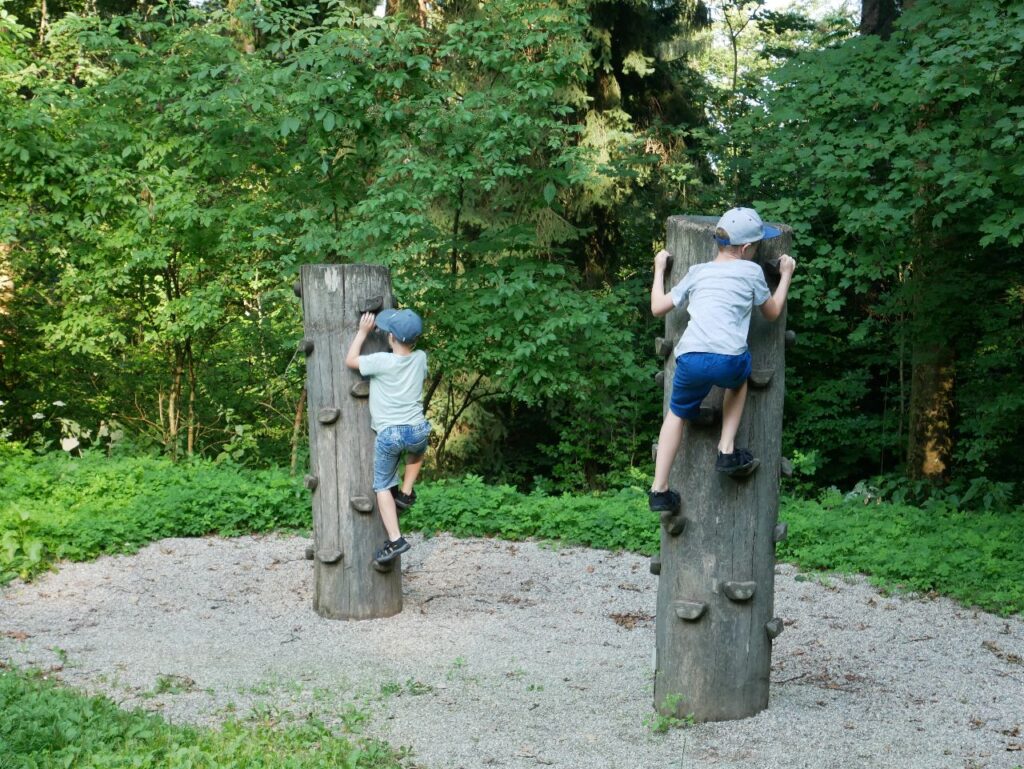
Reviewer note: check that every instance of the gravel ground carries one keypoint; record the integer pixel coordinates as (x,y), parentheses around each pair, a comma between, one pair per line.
(519,655)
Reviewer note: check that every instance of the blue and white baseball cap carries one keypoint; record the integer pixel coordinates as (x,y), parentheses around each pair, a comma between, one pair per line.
(404,324)
(743,225)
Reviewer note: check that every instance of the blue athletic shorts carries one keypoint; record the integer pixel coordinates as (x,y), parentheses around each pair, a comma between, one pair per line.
(388,448)
(697,372)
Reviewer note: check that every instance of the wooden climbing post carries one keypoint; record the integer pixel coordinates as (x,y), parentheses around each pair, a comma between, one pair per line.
(346,525)
(715,615)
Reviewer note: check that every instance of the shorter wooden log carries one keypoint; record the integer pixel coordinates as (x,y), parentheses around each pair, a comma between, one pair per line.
(656,566)
(328,416)
(325,555)
(360,389)
(739,591)
(781,531)
(311,482)
(688,610)
(361,504)
(773,627)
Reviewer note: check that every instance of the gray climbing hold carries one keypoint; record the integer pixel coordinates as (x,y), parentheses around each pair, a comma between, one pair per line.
(674,524)
(739,591)
(708,416)
(786,467)
(361,504)
(361,389)
(663,347)
(383,568)
(310,552)
(688,610)
(761,377)
(659,379)
(655,566)
(774,627)
(297,288)
(311,482)
(325,555)
(781,531)
(306,346)
(328,416)
(790,338)
(371,304)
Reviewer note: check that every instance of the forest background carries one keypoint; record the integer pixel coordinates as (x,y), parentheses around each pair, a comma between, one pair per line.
(165,169)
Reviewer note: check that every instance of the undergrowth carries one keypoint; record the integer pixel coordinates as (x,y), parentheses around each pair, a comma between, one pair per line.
(46,726)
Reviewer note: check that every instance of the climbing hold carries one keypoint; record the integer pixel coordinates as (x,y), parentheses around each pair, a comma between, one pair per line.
(360,389)
(655,566)
(790,338)
(311,482)
(761,377)
(325,555)
(328,416)
(663,347)
(306,346)
(786,467)
(688,610)
(659,379)
(707,417)
(673,522)
(781,532)
(383,568)
(654,451)
(774,627)
(310,552)
(297,288)
(739,591)
(361,504)
(371,304)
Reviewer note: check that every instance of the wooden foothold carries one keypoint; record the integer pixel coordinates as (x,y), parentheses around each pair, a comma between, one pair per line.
(360,389)
(674,525)
(328,556)
(656,566)
(761,377)
(383,568)
(786,467)
(659,379)
(790,338)
(739,591)
(306,346)
(311,482)
(781,531)
(688,610)
(708,416)
(297,288)
(774,627)
(371,304)
(310,552)
(328,416)
(361,504)
(663,347)
(654,452)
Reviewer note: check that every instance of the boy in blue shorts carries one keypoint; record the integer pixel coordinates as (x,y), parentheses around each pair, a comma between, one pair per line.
(719,295)
(396,415)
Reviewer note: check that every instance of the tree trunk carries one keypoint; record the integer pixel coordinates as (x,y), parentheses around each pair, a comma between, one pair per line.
(346,526)
(715,621)
(877,17)
(930,434)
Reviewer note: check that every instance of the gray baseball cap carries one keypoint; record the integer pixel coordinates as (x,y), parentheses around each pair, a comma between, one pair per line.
(743,225)
(404,324)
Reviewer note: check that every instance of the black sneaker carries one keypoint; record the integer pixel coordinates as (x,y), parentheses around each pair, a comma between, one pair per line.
(662,501)
(737,464)
(391,550)
(403,501)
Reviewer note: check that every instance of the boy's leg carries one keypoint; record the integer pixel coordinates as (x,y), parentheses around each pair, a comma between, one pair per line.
(732,413)
(388,514)
(413,465)
(669,440)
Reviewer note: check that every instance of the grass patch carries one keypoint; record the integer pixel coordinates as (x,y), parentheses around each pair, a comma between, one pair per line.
(45,726)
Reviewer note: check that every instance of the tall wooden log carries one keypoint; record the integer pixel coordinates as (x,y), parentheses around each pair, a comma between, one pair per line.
(346,526)
(716,587)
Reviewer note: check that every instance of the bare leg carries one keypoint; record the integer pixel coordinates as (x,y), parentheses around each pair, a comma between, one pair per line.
(669,439)
(413,465)
(732,412)
(388,514)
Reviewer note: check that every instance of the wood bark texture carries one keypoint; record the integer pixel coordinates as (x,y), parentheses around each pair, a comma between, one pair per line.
(717,564)
(346,586)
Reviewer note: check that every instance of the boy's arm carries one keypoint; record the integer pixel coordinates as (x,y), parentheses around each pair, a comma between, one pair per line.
(661,302)
(365,327)
(773,307)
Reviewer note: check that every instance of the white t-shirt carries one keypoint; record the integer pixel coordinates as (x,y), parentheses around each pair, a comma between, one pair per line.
(720,296)
(396,387)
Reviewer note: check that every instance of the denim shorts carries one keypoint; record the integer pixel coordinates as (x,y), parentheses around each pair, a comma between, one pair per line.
(697,372)
(388,448)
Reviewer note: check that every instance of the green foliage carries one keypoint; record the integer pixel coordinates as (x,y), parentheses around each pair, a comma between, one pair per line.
(46,726)
(56,507)
(661,723)
(974,557)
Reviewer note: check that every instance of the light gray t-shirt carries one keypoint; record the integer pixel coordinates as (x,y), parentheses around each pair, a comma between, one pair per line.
(396,387)
(720,296)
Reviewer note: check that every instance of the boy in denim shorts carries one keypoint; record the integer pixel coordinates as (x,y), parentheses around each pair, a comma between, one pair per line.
(719,295)
(396,415)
